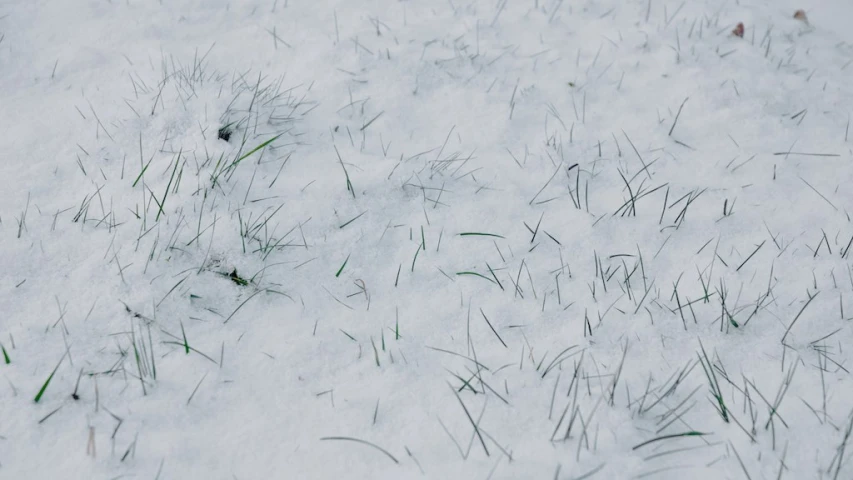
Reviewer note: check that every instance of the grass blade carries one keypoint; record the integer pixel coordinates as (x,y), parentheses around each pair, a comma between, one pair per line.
(49,378)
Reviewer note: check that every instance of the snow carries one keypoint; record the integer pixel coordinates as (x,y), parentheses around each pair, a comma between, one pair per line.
(435,269)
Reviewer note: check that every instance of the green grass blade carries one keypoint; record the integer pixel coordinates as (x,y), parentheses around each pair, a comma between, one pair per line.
(666,437)
(342,267)
(142,172)
(480,234)
(49,378)
(186,344)
(476,275)
(262,145)
(162,203)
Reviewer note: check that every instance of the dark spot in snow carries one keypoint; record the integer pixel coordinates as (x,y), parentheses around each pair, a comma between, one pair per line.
(225,133)
(238,279)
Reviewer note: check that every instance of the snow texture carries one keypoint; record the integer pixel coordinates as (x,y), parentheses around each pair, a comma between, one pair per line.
(426,239)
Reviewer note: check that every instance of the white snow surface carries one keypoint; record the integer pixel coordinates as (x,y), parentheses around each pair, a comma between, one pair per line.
(478,239)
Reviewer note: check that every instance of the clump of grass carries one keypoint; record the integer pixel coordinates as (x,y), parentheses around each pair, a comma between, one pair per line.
(143,352)
(716,393)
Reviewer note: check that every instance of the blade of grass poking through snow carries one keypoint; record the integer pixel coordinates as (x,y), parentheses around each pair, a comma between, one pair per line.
(6,358)
(342,267)
(346,174)
(375,352)
(136,356)
(479,234)
(798,316)
(241,305)
(476,275)
(494,276)
(190,399)
(667,437)
(364,442)
(250,152)
(49,378)
(493,328)
(352,220)
(415,258)
(708,368)
(674,122)
(153,363)
(471,419)
(184,334)
(162,203)
(142,172)
(592,472)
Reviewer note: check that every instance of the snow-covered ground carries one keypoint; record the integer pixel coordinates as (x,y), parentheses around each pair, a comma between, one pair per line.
(444,239)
